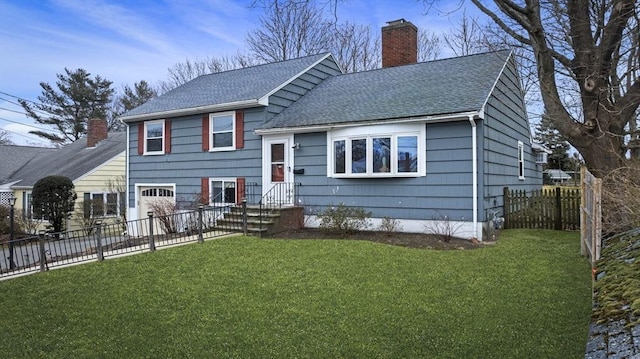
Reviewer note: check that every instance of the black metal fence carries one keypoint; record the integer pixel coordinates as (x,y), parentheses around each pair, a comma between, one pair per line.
(50,250)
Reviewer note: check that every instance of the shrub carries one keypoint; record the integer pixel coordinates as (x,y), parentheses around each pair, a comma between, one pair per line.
(4,219)
(390,225)
(344,220)
(165,212)
(55,197)
(443,227)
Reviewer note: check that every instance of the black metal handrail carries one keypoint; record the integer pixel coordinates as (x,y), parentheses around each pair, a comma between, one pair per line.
(285,193)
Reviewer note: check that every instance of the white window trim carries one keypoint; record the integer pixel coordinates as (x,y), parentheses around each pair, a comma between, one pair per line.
(377,131)
(104,203)
(212,116)
(521,162)
(147,152)
(223,180)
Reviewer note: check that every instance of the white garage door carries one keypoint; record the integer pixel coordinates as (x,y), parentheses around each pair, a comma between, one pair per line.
(160,196)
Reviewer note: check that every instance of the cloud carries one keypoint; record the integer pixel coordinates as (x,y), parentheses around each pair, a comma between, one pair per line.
(126,23)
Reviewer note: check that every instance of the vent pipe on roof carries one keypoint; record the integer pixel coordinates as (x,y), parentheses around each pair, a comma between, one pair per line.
(399,43)
(96,131)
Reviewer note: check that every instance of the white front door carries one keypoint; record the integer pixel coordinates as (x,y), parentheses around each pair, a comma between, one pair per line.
(277,170)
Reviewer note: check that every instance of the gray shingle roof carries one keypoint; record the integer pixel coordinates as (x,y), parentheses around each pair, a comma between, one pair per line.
(13,157)
(425,89)
(250,83)
(73,160)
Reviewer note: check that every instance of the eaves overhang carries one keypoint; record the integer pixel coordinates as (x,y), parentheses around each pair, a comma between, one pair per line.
(263,101)
(459,116)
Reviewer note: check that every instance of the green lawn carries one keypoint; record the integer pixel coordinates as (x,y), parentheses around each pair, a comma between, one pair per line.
(528,296)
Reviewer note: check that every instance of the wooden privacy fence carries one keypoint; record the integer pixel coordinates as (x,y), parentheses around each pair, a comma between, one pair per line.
(557,208)
(591,216)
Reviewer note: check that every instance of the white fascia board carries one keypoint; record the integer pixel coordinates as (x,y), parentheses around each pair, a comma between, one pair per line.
(495,82)
(195,110)
(461,116)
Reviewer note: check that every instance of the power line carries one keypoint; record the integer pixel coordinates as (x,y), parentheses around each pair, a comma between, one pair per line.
(24,124)
(18,104)
(25,136)
(6,109)
(19,98)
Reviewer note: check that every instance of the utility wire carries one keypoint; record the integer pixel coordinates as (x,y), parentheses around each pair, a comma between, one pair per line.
(6,109)
(25,136)
(20,98)
(24,124)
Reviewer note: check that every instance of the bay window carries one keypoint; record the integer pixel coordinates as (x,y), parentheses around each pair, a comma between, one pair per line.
(377,151)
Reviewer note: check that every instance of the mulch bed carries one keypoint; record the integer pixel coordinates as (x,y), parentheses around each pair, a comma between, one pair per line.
(411,240)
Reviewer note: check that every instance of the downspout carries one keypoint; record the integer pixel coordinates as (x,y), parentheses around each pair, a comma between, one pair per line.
(126,175)
(474,160)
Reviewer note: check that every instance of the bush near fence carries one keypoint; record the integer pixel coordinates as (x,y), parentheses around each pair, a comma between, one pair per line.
(550,208)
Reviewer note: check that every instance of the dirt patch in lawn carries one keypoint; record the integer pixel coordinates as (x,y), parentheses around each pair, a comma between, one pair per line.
(411,240)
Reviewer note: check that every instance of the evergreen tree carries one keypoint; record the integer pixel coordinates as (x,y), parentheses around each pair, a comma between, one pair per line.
(130,99)
(551,138)
(76,99)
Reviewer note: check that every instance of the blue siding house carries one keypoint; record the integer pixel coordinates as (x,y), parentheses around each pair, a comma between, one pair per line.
(412,141)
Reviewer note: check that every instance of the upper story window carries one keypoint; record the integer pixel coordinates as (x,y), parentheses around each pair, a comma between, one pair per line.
(520,160)
(223,131)
(222,127)
(377,151)
(154,137)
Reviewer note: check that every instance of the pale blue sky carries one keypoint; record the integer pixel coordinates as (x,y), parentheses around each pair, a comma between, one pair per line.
(128,41)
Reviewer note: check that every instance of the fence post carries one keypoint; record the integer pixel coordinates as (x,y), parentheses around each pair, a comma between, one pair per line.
(152,243)
(43,254)
(200,210)
(99,241)
(244,215)
(507,204)
(558,219)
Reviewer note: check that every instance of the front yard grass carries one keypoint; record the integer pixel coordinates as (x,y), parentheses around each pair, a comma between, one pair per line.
(527,296)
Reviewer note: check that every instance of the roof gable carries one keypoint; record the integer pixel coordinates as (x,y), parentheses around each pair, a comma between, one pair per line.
(72,161)
(432,88)
(236,88)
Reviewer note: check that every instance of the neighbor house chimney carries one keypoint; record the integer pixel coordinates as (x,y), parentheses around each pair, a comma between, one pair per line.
(399,43)
(96,131)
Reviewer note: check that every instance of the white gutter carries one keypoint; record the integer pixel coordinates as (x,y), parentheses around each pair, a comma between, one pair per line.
(427,119)
(474,160)
(195,110)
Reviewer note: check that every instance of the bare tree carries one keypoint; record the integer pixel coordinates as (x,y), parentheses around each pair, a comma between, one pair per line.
(290,29)
(5,138)
(188,70)
(589,49)
(429,45)
(355,48)
(467,38)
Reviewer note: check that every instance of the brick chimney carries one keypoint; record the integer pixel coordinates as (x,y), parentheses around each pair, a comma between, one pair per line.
(96,131)
(399,43)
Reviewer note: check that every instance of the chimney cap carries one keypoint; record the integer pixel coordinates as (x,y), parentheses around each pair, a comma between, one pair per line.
(396,22)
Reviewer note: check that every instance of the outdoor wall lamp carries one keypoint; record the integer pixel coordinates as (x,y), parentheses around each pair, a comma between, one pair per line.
(296,146)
